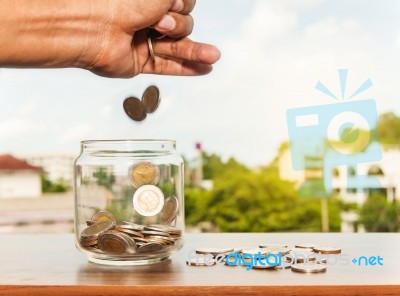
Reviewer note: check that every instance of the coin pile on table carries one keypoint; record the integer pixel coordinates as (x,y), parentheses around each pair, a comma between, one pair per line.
(104,236)
(309,252)
(137,110)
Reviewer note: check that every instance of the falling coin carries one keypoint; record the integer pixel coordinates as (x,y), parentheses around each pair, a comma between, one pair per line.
(170,210)
(327,250)
(308,267)
(151,99)
(144,173)
(148,200)
(134,109)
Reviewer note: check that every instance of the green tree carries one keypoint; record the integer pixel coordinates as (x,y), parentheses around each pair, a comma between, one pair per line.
(243,200)
(104,178)
(389,128)
(53,187)
(379,215)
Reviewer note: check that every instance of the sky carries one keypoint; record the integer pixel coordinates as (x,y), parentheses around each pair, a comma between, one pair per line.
(273,54)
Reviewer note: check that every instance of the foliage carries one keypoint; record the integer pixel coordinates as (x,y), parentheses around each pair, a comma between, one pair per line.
(53,187)
(379,215)
(104,178)
(389,128)
(244,200)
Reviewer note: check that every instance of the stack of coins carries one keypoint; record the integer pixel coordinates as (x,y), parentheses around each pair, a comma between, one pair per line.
(137,110)
(104,236)
(304,252)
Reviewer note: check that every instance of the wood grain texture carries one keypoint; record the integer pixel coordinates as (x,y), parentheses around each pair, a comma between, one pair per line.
(50,265)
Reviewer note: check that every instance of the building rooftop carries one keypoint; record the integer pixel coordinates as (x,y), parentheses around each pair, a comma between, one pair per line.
(9,162)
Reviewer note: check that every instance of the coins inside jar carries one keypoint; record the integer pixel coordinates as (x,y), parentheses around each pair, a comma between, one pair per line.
(106,237)
(144,173)
(170,210)
(148,200)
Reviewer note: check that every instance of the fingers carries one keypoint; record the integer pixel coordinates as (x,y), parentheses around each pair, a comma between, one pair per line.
(183,6)
(176,67)
(186,49)
(175,25)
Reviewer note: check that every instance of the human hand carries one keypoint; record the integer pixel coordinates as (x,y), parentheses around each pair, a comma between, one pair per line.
(107,37)
(125,53)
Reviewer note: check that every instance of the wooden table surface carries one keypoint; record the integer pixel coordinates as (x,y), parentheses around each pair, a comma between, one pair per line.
(50,265)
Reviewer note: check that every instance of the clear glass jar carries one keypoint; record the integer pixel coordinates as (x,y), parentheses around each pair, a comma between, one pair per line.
(129,201)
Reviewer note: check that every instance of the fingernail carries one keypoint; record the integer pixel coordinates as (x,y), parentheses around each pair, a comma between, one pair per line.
(178,6)
(167,23)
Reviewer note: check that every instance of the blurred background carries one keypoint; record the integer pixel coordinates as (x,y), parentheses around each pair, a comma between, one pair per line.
(230,126)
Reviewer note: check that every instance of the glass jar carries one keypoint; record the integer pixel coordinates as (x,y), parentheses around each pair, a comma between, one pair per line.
(129,201)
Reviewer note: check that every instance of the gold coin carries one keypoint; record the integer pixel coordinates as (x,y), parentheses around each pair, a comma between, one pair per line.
(170,210)
(97,229)
(103,216)
(144,173)
(114,242)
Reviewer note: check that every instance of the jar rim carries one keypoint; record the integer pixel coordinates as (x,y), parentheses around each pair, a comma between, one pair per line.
(136,141)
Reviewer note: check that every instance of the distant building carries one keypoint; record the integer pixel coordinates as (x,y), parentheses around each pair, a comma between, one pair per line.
(18,179)
(386,171)
(57,166)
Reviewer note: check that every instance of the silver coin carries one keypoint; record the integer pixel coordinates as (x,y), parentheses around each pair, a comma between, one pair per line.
(170,210)
(255,251)
(149,233)
(260,266)
(164,228)
(214,251)
(133,226)
(306,245)
(270,245)
(308,267)
(276,251)
(151,99)
(327,250)
(302,250)
(129,232)
(148,200)
(150,247)
(134,109)
(201,261)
